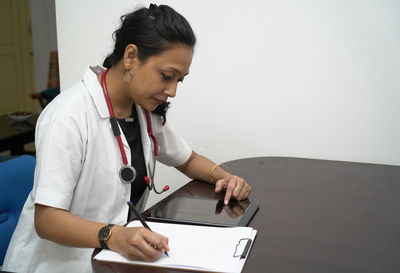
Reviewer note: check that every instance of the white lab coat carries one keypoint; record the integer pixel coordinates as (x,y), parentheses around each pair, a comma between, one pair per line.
(78,162)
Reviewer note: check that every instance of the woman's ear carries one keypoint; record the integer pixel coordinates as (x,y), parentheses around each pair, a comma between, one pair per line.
(130,56)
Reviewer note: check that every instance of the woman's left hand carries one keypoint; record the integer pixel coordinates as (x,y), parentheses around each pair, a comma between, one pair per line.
(234,186)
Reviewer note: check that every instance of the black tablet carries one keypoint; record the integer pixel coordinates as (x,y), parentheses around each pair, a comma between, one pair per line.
(202,211)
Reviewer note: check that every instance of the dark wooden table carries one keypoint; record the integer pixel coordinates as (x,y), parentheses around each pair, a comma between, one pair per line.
(315,216)
(14,135)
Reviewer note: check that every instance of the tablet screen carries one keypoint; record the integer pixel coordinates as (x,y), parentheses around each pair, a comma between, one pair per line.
(203,211)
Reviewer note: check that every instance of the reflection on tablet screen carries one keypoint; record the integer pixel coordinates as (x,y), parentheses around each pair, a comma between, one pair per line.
(192,210)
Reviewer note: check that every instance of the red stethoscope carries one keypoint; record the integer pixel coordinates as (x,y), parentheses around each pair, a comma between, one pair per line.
(127,173)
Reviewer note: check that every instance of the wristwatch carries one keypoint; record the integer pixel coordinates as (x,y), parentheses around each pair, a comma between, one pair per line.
(104,234)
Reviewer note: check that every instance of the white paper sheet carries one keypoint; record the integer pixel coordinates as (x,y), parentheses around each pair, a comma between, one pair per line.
(200,248)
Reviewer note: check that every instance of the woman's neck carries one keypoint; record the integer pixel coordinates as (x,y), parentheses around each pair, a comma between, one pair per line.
(122,104)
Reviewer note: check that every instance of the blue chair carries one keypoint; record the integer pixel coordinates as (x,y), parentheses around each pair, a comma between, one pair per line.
(16,182)
(6,157)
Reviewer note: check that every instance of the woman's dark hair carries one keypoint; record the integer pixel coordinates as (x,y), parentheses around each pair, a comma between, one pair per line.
(152,30)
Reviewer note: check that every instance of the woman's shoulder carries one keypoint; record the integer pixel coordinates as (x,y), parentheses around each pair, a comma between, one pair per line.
(75,98)
(71,104)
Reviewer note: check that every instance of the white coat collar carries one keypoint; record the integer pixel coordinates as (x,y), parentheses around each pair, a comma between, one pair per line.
(96,92)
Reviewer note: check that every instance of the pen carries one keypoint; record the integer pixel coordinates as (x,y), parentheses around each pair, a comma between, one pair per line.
(132,207)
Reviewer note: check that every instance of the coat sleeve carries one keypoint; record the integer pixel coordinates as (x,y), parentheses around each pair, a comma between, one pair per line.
(173,150)
(60,151)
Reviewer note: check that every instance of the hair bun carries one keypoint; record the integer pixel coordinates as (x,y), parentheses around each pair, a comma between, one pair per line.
(152,7)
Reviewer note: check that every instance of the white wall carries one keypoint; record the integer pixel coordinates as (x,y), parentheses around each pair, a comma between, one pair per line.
(311,78)
(44,36)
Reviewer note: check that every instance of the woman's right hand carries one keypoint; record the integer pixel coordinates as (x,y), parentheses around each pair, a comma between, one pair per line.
(137,243)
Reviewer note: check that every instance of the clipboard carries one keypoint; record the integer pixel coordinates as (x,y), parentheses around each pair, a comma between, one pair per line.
(196,248)
(194,210)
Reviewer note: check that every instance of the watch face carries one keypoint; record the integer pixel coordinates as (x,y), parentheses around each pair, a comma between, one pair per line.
(104,232)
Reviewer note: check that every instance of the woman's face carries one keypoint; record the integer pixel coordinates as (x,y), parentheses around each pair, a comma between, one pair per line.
(156,79)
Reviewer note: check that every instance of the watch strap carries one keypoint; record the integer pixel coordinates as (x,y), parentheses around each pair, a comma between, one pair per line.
(103,245)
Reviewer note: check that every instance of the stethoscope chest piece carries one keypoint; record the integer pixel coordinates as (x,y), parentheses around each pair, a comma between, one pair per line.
(127,174)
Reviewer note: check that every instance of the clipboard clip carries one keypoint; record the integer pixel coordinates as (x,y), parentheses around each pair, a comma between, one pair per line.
(241,251)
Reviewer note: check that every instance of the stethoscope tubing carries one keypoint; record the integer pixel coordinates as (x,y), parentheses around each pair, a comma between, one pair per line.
(149,180)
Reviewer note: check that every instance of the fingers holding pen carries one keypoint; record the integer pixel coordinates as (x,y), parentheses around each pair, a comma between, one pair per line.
(157,241)
(146,245)
(154,244)
(138,243)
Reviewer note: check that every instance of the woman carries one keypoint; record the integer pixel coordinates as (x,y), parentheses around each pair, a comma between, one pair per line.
(78,201)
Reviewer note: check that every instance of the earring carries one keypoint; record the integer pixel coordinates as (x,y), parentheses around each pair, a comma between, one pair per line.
(130,76)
